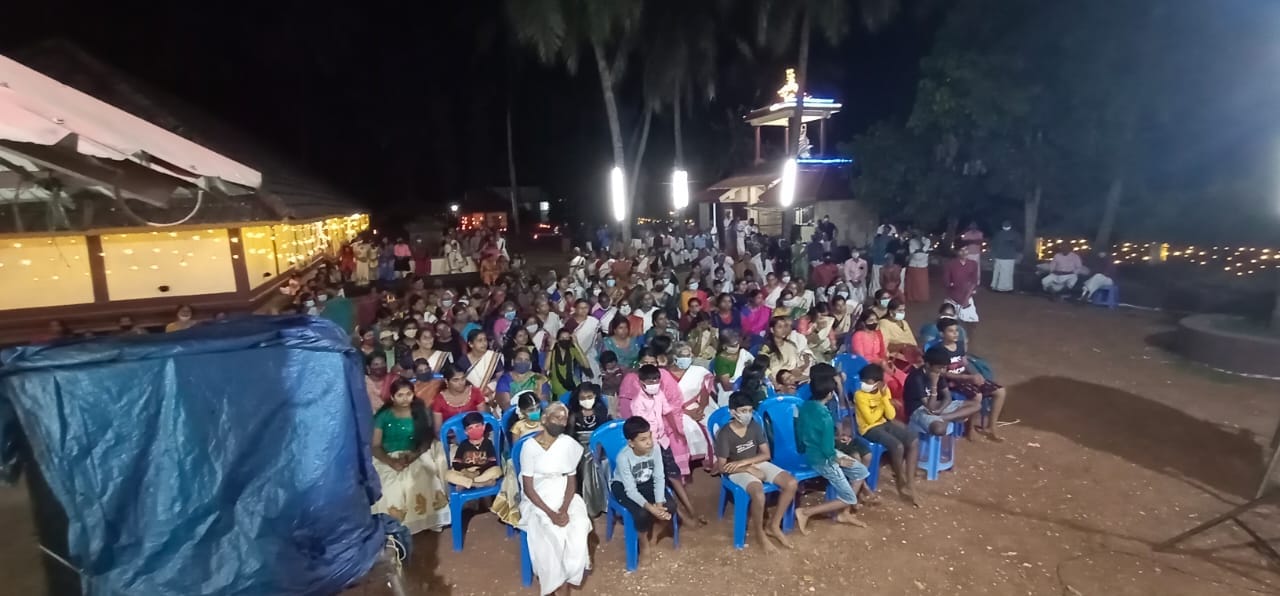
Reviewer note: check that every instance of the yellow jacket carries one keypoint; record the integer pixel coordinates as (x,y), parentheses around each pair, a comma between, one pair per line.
(873,409)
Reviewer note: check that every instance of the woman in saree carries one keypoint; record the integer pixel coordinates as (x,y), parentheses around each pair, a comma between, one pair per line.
(844,317)
(426,350)
(519,379)
(481,363)
(410,462)
(703,338)
(696,387)
(899,338)
(620,342)
(453,256)
(729,364)
(552,514)
(565,364)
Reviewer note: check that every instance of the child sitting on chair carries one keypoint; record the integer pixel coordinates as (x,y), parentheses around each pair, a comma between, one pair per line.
(815,434)
(875,415)
(745,458)
(475,460)
(639,480)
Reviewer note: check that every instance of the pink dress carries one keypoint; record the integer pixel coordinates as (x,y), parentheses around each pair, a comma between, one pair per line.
(756,321)
(629,398)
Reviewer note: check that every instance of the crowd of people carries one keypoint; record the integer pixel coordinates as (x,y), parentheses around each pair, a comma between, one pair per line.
(661,335)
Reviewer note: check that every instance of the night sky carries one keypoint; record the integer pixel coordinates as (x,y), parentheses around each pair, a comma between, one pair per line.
(404,107)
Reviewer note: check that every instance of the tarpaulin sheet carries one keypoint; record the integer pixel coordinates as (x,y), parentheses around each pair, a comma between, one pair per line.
(230,458)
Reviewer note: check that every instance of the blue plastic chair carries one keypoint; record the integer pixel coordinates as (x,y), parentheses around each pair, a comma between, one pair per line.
(1108,296)
(937,454)
(610,440)
(741,498)
(526,564)
(781,413)
(458,497)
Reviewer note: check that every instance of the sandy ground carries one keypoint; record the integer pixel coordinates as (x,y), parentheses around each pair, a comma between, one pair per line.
(1118,445)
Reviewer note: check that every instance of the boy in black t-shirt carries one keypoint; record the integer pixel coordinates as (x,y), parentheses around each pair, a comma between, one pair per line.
(475,460)
(926,396)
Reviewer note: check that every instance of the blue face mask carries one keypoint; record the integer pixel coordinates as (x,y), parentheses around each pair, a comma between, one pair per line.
(509,315)
(534,416)
(522,367)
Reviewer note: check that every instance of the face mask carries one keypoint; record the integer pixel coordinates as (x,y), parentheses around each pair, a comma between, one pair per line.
(872,326)
(446,303)
(554,429)
(743,418)
(693,286)
(534,416)
(425,376)
(624,310)
(684,362)
(522,367)
(411,333)
(378,372)
(565,343)
(184,317)
(786,279)
(843,294)
(884,303)
(652,389)
(610,283)
(322,298)
(1007,228)
(868,387)
(531,329)
(509,315)
(475,432)
(587,404)
(899,316)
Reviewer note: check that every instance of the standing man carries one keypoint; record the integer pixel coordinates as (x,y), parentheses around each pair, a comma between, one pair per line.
(960,278)
(879,246)
(1005,249)
(972,249)
(827,231)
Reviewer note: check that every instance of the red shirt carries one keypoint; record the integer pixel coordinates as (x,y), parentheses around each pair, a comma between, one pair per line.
(446,411)
(960,278)
(823,275)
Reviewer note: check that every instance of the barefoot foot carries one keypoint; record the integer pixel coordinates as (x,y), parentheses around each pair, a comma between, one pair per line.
(802,522)
(850,519)
(782,539)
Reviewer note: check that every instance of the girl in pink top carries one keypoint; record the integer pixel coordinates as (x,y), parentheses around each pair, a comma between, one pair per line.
(756,316)
(869,343)
(648,393)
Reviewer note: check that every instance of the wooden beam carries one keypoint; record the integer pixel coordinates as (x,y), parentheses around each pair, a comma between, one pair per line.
(238,266)
(97,269)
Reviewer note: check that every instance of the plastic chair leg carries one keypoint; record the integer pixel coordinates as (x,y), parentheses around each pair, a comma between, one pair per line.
(526,564)
(632,538)
(741,507)
(724,498)
(455,523)
(608,522)
(873,477)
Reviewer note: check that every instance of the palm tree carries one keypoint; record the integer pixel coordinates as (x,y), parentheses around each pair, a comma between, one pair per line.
(558,30)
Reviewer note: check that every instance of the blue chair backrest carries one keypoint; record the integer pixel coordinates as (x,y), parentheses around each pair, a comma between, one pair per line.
(608,438)
(453,426)
(781,413)
(515,452)
(850,365)
(931,344)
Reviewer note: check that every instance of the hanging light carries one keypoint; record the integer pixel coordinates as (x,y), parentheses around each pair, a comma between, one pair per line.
(618,193)
(788,191)
(679,189)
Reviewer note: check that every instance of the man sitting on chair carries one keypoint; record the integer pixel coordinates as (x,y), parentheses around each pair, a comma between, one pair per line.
(1064,271)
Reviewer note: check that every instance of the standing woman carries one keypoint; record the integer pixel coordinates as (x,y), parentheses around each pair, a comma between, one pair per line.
(621,343)
(891,276)
(565,364)
(918,268)
(552,515)
(410,462)
(403,258)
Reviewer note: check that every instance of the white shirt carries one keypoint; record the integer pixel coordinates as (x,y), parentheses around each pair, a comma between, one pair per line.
(919,248)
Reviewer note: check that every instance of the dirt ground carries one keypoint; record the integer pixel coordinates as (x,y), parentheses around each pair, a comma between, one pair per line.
(1117,445)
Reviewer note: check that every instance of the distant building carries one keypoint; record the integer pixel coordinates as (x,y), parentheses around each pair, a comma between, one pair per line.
(823,184)
(118,200)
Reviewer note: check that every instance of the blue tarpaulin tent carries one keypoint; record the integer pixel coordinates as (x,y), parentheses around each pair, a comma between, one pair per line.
(230,458)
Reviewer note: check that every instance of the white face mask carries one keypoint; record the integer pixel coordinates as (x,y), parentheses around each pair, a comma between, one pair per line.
(786,279)
(884,302)
(531,329)
(652,389)
(624,310)
(693,286)
(684,362)
(411,333)
(743,418)
(587,404)
(843,294)
(868,387)
(899,316)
